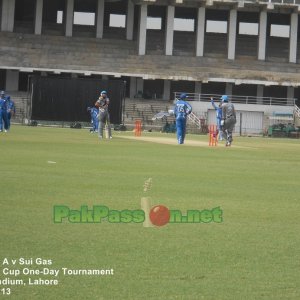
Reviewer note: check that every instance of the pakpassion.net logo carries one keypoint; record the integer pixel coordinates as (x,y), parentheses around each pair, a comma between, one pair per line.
(158,215)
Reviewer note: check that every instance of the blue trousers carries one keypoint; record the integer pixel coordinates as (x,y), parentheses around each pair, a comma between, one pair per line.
(8,120)
(219,127)
(180,129)
(5,119)
(95,123)
(1,121)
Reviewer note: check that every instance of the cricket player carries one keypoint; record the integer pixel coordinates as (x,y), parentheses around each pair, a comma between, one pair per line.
(3,112)
(228,119)
(94,112)
(218,110)
(102,103)
(181,110)
(11,110)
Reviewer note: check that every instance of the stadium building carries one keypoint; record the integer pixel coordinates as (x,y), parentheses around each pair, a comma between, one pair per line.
(247,49)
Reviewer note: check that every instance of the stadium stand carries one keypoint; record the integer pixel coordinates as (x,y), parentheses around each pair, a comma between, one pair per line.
(44,38)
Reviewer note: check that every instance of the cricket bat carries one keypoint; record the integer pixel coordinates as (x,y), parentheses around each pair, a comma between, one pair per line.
(106,131)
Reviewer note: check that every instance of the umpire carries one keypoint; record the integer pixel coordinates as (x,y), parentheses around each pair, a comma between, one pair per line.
(228,119)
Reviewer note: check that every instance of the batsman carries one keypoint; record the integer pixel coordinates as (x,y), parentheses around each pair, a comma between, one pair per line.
(228,119)
(102,103)
(181,110)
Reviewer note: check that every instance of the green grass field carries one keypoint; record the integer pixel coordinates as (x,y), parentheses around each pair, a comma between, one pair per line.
(253,254)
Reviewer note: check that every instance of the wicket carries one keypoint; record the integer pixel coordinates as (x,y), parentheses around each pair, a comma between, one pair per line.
(146,207)
(146,203)
(138,128)
(213,135)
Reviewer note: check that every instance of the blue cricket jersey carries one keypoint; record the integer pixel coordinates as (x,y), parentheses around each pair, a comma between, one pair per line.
(3,104)
(10,106)
(182,109)
(218,110)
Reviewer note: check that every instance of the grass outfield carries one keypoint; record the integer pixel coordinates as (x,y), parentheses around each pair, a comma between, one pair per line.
(253,254)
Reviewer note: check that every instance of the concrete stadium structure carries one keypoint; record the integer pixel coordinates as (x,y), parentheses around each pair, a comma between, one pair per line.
(43,37)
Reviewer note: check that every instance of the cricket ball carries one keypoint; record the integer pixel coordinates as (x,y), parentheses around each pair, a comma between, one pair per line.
(159,215)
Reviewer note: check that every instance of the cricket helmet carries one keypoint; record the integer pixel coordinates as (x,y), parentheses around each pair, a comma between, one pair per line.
(104,92)
(183,96)
(224,98)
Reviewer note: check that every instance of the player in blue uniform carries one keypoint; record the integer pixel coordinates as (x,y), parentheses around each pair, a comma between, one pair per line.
(3,111)
(94,112)
(181,110)
(11,110)
(218,110)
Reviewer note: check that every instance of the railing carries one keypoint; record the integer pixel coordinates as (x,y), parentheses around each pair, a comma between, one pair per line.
(297,111)
(297,116)
(195,119)
(240,99)
(295,2)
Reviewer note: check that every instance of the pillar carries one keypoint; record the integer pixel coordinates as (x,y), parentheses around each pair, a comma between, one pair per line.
(38,17)
(232,33)
(130,20)
(169,30)
(140,85)
(100,19)
(262,38)
(69,17)
(12,80)
(293,38)
(142,30)
(8,15)
(290,95)
(132,91)
(167,89)
(260,94)
(198,87)
(200,32)
(228,89)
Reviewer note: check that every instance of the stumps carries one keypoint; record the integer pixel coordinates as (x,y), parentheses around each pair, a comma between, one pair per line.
(213,135)
(138,128)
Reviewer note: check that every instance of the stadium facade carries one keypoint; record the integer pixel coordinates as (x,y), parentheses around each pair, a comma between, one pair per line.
(260,63)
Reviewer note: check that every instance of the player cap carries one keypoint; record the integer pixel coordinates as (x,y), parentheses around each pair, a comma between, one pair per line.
(224,98)
(183,96)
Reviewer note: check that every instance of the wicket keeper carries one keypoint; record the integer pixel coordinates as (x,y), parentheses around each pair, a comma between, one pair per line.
(94,111)
(218,110)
